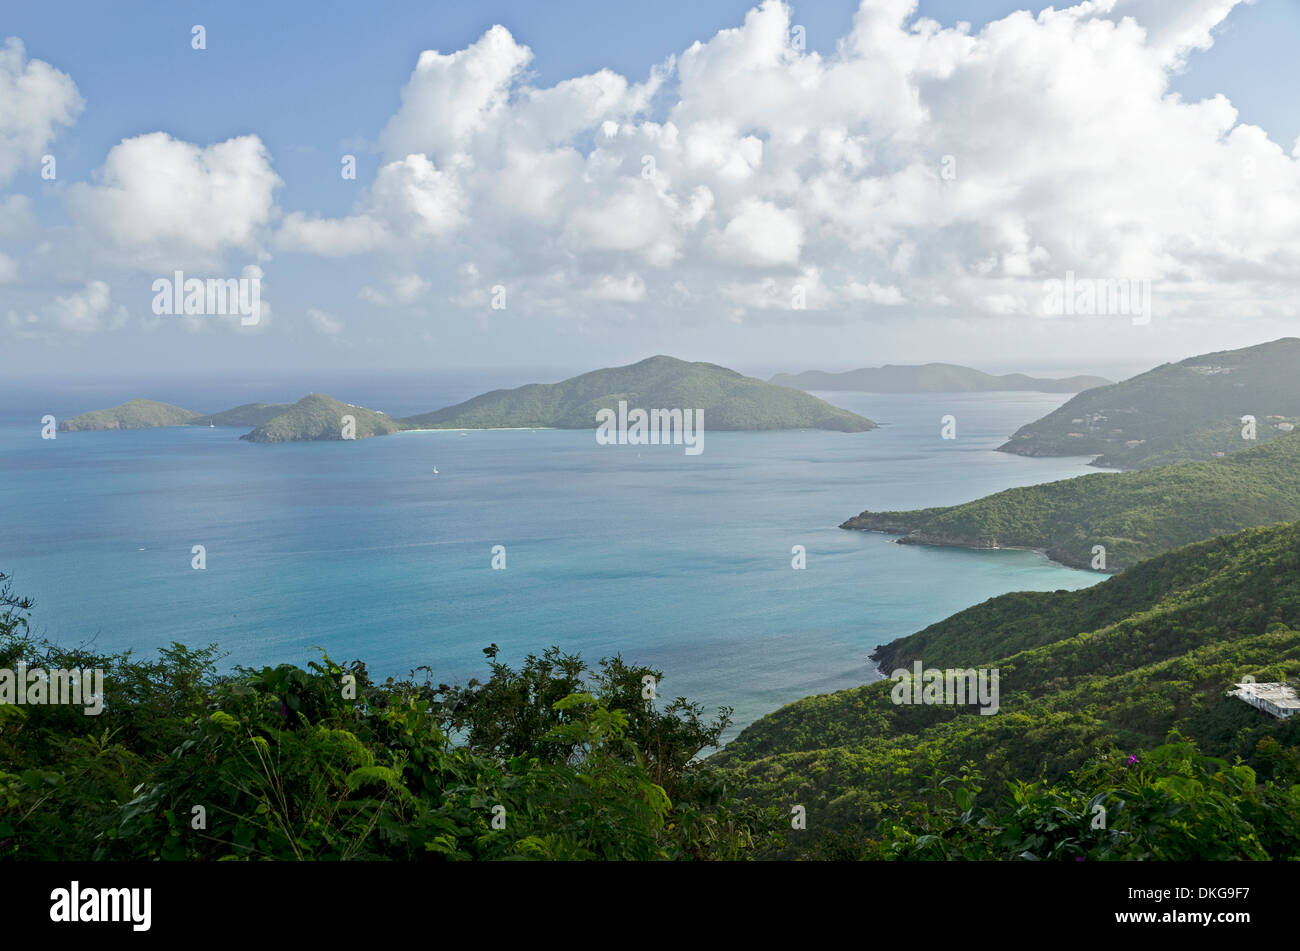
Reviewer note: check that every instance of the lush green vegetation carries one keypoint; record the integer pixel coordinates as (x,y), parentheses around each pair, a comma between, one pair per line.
(1084,675)
(932,378)
(1133,515)
(321,417)
(289,763)
(1172,803)
(1112,697)
(1176,412)
(133,414)
(729,401)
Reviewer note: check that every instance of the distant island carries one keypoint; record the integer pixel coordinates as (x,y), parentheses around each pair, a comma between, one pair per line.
(133,414)
(250,414)
(317,416)
(1176,412)
(1132,515)
(932,378)
(729,400)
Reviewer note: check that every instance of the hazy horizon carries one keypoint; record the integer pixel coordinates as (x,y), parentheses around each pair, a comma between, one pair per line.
(554,372)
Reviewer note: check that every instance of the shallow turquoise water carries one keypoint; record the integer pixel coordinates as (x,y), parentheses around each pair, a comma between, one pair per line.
(679,561)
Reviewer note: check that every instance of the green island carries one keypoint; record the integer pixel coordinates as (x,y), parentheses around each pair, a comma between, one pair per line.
(1176,412)
(250,414)
(316,416)
(1132,515)
(932,378)
(133,414)
(729,400)
(1112,697)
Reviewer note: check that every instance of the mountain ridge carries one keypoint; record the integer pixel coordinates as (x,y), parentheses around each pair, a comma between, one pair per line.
(1176,412)
(932,378)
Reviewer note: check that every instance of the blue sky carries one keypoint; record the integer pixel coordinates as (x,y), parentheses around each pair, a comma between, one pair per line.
(313,82)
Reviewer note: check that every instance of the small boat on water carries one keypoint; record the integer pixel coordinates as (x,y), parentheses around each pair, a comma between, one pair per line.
(435,470)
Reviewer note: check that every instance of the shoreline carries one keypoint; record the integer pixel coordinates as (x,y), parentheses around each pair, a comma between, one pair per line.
(879,657)
(905,538)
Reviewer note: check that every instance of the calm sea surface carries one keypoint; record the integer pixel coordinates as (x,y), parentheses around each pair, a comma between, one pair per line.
(682,562)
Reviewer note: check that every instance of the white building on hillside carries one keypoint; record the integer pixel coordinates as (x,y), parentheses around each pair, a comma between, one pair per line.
(1277,699)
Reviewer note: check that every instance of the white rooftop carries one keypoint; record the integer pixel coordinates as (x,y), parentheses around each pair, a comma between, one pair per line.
(1280,695)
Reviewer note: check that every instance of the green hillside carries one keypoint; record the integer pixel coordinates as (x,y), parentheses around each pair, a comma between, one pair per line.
(317,416)
(932,378)
(1104,672)
(1176,412)
(133,414)
(729,401)
(250,414)
(1133,515)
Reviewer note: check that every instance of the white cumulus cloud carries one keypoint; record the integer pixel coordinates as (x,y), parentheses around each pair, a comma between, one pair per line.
(162,202)
(35,100)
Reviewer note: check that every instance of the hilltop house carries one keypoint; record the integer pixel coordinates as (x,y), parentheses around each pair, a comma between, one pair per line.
(1276,699)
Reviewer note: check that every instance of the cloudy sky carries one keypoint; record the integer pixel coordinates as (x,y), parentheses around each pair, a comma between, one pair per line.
(775,186)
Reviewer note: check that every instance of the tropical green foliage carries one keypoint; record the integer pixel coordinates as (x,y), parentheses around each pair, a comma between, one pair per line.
(1151,650)
(551,761)
(1133,515)
(1169,804)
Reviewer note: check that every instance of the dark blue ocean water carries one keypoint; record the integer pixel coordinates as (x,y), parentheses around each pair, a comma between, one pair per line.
(679,561)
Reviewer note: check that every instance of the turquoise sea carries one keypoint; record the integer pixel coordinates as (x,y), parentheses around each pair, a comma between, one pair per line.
(682,562)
